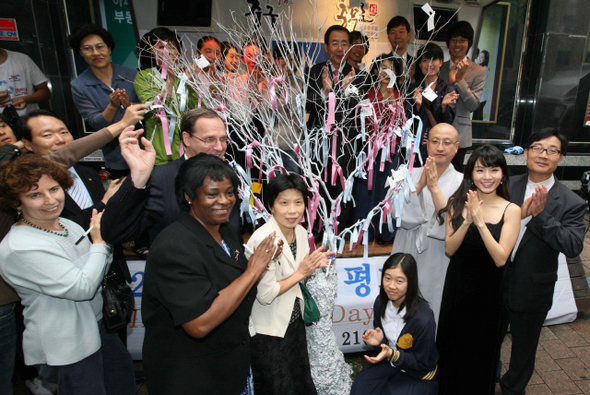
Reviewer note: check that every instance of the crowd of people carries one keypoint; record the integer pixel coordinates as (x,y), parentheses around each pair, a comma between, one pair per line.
(474,250)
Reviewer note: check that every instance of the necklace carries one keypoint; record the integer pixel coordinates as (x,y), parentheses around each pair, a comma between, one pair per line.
(54,232)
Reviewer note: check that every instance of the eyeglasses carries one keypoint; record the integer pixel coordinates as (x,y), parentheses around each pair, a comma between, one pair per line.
(211,141)
(538,149)
(445,143)
(89,48)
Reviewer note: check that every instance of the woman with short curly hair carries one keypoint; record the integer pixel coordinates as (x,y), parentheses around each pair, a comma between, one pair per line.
(57,272)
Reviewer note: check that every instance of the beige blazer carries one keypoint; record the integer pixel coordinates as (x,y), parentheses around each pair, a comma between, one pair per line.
(470,89)
(271,313)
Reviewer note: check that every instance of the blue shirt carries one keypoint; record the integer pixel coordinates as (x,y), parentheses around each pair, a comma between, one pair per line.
(91,96)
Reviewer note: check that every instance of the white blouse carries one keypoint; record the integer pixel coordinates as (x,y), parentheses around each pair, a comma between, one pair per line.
(393,323)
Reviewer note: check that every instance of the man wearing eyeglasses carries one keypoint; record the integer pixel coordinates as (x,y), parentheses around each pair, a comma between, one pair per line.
(420,233)
(151,205)
(552,222)
(348,86)
(468,80)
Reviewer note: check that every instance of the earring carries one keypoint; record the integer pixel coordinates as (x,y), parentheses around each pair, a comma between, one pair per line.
(189,202)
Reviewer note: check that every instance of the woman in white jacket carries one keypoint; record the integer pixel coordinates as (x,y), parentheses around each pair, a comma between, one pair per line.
(280,362)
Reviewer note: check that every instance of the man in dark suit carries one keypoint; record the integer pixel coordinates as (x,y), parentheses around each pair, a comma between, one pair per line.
(552,222)
(151,205)
(468,79)
(398,34)
(349,87)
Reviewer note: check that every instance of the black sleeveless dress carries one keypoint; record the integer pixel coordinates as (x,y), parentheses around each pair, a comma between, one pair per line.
(470,324)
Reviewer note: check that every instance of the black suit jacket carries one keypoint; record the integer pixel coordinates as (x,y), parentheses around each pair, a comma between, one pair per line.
(317,107)
(131,211)
(186,269)
(317,104)
(72,211)
(530,278)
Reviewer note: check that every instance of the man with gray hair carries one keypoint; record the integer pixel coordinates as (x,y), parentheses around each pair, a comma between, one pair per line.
(142,204)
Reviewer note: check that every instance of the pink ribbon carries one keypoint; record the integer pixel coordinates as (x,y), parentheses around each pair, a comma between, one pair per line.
(249,158)
(161,114)
(271,171)
(164,65)
(273,94)
(221,108)
(331,111)
(312,207)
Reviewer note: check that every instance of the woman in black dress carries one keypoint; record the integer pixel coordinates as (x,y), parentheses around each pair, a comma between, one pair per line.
(482,229)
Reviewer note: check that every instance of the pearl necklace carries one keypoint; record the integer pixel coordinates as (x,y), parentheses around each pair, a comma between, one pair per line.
(54,232)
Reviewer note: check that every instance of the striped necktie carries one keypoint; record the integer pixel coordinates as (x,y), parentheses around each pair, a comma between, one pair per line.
(78,192)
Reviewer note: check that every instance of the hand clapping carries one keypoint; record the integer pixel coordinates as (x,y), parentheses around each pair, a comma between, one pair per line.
(473,209)
(536,203)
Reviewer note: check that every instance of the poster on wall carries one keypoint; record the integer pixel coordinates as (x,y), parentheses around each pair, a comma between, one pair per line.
(490,53)
(361,18)
(118,20)
(587,119)
(8,29)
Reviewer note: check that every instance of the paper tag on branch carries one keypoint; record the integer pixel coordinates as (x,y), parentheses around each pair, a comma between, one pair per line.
(392,77)
(366,110)
(351,90)
(429,94)
(256,187)
(430,12)
(202,62)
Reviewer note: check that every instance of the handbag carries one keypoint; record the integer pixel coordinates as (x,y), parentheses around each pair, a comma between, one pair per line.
(118,303)
(311,313)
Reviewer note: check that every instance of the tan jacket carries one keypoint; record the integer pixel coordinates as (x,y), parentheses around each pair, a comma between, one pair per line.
(271,313)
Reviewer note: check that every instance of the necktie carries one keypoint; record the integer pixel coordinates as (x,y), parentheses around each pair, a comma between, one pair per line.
(78,193)
(335,77)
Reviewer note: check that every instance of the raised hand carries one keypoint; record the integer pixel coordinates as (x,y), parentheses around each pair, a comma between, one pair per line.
(467,210)
(373,337)
(263,254)
(326,81)
(95,232)
(539,198)
(140,162)
(124,98)
(462,67)
(431,174)
(133,114)
(315,260)
(474,206)
(348,79)
(115,99)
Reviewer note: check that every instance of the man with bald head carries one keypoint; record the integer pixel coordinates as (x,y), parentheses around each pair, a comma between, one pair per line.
(149,203)
(420,234)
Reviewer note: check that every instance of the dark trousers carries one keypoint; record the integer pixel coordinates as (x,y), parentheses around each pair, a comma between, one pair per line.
(7,347)
(108,371)
(526,330)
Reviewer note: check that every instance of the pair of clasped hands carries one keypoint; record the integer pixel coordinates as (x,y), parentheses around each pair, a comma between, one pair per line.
(18,102)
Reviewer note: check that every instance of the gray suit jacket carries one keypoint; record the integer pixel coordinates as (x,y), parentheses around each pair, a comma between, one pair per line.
(530,278)
(470,89)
